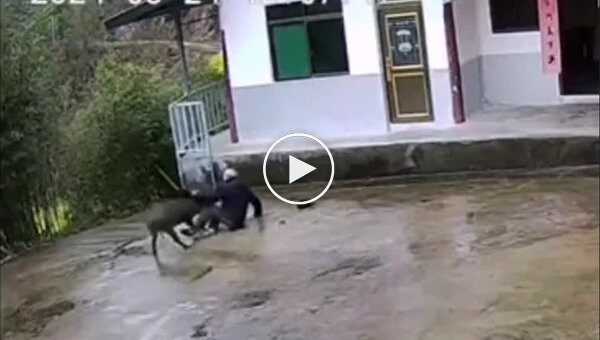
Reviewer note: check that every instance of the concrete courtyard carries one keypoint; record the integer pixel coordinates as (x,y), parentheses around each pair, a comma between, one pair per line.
(488,259)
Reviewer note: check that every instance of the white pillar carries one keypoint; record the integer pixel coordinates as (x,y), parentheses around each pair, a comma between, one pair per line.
(439,69)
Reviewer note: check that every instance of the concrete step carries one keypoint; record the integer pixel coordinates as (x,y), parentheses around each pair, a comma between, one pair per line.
(429,158)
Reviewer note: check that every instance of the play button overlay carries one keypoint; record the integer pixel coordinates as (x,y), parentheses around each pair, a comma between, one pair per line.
(298,169)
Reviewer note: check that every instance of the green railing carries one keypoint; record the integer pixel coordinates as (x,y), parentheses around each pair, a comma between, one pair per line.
(213,98)
(194,118)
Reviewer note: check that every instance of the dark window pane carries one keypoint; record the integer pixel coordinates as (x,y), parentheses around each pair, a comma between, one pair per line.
(327,46)
(318,7)
(287,11)
(291,53)
(514,15)
(405,44)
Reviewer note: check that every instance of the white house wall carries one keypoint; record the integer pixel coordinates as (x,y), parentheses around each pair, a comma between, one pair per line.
(503,68)
(512,66)
(327,107)
(437,58)
(246,36)
(469,53)
(360,25)
(467,29)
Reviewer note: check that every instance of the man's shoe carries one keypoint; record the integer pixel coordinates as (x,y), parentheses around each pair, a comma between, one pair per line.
(187,232)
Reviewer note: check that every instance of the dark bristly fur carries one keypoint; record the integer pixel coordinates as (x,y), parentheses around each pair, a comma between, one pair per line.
(174,212)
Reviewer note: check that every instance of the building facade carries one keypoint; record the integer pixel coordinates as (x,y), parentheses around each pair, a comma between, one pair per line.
(351,68)
(500,51)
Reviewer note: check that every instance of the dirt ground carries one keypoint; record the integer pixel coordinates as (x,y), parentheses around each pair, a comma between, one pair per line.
(493,260)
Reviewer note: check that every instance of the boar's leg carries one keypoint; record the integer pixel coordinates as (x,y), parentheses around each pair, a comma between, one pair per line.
(154,239)
(176,238)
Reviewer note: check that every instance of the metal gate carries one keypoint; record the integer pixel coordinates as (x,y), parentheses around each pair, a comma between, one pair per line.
(191,138)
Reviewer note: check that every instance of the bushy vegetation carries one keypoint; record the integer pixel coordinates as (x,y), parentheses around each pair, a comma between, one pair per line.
(113,145)
(207,70)
(83,130)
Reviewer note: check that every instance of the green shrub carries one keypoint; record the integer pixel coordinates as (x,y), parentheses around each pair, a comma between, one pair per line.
(114,145)
(31,104)
(208,69)
(216,65)
(81,134)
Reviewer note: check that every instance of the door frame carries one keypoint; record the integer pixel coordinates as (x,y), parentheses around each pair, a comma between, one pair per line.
(458,105)
(563,40)
(383,42)
(233,132)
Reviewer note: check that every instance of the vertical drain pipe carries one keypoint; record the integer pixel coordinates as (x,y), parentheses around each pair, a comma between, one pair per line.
(185,78)
(184,67)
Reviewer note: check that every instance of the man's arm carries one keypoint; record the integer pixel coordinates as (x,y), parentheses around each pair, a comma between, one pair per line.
(211,197)
(218,193)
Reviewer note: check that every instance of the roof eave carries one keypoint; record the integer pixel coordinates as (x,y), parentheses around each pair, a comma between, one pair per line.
(146,11)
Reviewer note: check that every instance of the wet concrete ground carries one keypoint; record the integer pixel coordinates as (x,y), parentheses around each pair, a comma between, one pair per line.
(493,260)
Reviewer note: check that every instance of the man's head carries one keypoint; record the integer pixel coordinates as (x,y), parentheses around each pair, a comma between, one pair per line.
(229,175)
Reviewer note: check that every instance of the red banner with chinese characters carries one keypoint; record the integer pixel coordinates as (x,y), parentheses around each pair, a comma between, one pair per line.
(550,34)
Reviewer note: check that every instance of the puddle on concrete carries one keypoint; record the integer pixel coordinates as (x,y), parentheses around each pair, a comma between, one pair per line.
(352,266)
(495,260)
(200,272)
(252,299)
(133,251)
(225,255)
(32,320)
(200,331)
(534,330)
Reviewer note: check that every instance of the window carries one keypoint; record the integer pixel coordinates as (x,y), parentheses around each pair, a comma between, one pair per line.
(514,15)
(307,40)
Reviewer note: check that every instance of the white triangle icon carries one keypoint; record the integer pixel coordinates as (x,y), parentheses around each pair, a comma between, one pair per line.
(298,169)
